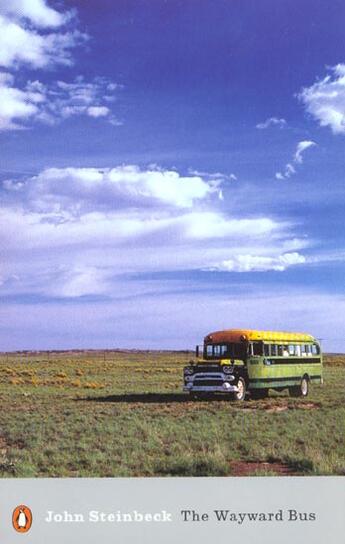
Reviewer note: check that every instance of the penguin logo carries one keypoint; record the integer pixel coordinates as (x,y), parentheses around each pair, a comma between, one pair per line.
(22,519)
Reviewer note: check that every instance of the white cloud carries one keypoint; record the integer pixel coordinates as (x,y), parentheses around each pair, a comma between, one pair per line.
(27,40)
(162,240)
(69,231)
(260,263)
(98,111)
(325,100)
(215,225)
(80,190)
(79,232)
(36,11)
(301,147)
(279,175)
(213,175)
(80,97)
(20,44)
(290,167)
(51,104)
(272,121)
(15,105)
(78,281)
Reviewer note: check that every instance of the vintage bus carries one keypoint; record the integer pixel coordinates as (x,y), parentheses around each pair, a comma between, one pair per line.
(238,361)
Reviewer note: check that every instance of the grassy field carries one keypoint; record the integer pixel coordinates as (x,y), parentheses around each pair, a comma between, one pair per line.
(123,414)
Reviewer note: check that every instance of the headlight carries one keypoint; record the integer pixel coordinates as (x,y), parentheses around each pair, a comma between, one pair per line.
(227,369)
(188,370)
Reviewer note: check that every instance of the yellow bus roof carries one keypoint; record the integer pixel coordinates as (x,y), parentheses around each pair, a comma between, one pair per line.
(242,335)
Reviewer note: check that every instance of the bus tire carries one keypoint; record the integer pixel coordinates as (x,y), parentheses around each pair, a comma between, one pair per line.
(242,388)
(259,393)
(300,390)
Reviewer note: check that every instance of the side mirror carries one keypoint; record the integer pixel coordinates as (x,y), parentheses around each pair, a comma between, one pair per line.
(197,352)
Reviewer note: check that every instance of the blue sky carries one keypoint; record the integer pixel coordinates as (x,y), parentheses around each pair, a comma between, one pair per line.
(170,168)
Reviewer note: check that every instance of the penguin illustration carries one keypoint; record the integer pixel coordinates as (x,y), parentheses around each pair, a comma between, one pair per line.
(22,519)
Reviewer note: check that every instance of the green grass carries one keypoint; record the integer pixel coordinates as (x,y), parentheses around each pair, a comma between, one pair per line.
(83,414)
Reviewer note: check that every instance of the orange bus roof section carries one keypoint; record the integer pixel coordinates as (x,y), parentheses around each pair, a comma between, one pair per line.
(243,335)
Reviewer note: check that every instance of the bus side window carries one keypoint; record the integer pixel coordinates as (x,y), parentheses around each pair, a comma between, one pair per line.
(303,350)
(298,351)
(291,349)
(257,348)
(315,349)
(266,350)
(280,350)
(209,351)
(308,350)
(273,350)
(286,351)
(224,349)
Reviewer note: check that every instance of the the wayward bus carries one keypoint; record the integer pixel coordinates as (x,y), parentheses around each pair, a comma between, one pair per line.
(238,361)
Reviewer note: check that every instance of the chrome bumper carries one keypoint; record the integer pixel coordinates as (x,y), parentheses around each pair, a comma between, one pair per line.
(194,382)
(211,388)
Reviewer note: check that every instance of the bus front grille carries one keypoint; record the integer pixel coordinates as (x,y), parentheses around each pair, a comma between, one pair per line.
(215,382)
(207,368)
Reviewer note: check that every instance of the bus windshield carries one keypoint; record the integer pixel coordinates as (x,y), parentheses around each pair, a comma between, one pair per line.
(225,351)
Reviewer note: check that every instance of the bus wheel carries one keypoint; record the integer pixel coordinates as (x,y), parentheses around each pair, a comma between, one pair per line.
(241,393)
(300,390)
(259,393)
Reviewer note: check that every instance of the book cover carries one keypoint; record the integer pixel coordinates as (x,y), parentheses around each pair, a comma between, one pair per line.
(172,362)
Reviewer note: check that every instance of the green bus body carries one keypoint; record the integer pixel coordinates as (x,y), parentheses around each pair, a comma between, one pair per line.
(281,372)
